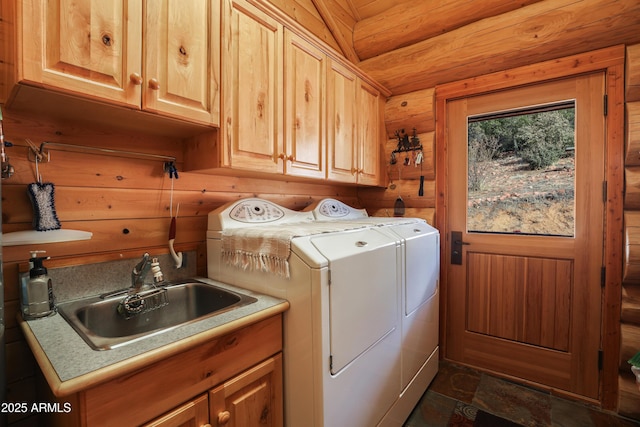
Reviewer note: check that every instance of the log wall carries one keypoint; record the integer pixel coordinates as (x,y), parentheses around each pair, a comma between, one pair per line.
(407,112)
(628,390)
(124,202)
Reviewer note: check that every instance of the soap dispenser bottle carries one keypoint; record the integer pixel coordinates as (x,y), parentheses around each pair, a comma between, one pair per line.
(36,293)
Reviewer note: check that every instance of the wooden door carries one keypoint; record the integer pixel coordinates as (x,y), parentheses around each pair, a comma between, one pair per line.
(341,123)
(250,399)
(87,47)
(252,46)
(369,136)
(528,304)
(182,59)
(304,89)
(192,413)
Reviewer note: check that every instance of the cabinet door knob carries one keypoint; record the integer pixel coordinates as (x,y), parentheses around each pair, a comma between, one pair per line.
(285,157)
(154,84)
(224,417)
(136,79)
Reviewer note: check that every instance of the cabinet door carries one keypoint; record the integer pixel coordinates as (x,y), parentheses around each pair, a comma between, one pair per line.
(181,59)
(304,88)
(369,136)
(251,134)
(341,124)
(250,399)
(193,413)
(92,47)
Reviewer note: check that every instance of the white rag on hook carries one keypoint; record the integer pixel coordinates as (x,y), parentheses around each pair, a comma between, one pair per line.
(177,257)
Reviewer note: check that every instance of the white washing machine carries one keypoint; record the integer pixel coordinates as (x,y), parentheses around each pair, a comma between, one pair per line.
(419,265)
(342,333)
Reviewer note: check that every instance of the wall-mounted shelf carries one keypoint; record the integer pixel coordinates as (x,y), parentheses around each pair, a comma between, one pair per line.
(33,237)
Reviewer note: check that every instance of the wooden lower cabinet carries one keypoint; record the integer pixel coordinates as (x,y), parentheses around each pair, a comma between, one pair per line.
(193,413)
(251,399)
(231,380)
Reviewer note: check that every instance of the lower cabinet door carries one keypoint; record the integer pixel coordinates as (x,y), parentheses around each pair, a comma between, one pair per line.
(253,398)
(193,413)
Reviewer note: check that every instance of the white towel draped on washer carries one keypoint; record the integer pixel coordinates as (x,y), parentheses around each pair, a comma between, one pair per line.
(267,248)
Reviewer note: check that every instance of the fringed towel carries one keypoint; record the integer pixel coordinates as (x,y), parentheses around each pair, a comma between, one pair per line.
(267,248)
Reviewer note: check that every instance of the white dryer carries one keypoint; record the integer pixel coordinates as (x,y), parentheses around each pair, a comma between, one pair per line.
(342,333)
(419,265)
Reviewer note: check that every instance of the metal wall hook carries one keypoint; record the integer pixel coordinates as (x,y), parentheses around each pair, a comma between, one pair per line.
(6,168)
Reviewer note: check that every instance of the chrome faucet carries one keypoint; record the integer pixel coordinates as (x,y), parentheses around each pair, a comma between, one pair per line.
(139,273)
(141,300)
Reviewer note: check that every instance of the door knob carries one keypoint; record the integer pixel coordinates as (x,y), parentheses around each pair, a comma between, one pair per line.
(456,247)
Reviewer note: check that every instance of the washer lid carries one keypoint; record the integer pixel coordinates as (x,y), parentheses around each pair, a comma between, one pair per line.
(363,291)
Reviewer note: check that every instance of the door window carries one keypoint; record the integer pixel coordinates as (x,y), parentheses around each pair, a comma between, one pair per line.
(521,171)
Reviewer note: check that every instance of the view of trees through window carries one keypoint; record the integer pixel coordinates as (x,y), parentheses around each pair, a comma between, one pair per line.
(521,171)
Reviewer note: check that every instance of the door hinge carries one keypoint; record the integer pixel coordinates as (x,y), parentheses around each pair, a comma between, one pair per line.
(603,276)
(331,363)
(606,105)
(604,191)
(600,359)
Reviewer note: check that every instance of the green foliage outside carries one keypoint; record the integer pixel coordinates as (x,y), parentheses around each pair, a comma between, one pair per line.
(540,139)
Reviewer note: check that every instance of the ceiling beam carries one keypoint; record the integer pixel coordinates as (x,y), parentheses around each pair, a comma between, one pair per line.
(344,40)
(535,33)
(407,23)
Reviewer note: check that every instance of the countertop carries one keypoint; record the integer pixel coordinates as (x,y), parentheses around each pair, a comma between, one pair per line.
(70,365)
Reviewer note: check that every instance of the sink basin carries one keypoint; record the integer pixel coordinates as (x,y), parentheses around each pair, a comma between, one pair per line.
(97,321)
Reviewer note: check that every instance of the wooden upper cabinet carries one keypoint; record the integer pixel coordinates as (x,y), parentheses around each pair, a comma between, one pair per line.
(370,133)
(342,145)
(355,119)
(87,47)
(181,42)
(251,128)
(290,106)
(125,52)
(304,88)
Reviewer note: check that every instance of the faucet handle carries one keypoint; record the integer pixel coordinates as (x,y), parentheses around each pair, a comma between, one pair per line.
(155,270)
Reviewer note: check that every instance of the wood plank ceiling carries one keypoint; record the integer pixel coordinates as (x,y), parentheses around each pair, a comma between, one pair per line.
(409,45)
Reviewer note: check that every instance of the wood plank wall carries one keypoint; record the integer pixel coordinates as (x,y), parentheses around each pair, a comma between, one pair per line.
(124,202)
(628,393)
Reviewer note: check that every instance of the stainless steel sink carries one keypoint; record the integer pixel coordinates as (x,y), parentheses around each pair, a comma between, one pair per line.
(98,322)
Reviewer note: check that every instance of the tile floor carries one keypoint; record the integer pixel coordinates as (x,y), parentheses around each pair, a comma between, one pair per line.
(461,396)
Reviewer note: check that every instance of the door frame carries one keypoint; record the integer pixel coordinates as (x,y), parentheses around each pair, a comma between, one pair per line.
(611,61)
